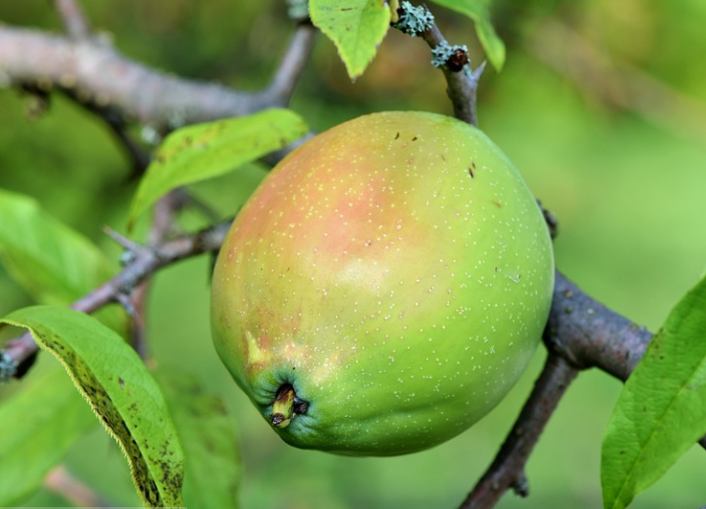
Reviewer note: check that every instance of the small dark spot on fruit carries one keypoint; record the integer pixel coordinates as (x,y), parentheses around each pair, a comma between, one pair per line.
(497,204)
(414,139)
(470,172)
(442,157)
(397,136)
(346,9)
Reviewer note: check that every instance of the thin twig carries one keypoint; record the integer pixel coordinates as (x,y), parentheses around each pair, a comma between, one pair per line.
(507,470)
(64,483)
(72,16)
(453,61)
(462,87)
(162,224)
(146,262)
(185,199)
(293,64)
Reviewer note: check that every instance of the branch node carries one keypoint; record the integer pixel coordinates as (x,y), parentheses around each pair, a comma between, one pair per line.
(123,298)
(454,58)
(413,21)
(128,244)
(298,10)
(521,485)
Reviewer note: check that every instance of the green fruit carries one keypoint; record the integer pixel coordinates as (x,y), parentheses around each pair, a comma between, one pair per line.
(384,287)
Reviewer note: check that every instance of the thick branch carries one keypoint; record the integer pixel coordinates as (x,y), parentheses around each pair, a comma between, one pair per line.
(588,334)
(99,74)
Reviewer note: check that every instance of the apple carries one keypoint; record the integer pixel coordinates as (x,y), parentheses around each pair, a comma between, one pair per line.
(384,287)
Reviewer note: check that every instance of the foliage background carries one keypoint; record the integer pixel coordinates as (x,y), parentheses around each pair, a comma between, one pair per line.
(624,174)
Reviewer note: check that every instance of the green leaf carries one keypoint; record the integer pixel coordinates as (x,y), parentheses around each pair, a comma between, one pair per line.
(121,392)
(202,151)
(55,264)
(356,27)
(661,411)
(479,12)
(38,425)
(213,464)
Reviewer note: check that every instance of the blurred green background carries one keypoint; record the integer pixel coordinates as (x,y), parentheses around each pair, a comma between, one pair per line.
(601,105)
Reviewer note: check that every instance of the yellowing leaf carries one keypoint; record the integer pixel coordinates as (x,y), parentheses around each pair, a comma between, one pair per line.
(207,150)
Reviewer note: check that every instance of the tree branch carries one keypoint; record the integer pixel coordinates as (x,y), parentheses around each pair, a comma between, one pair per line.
(146,261)
(293,64)
(588,334)
(581,333)
(74,21)
(115,88)
(462,83)
(452,60)
(164,214)
(97,73)
(507,470)
(64,483)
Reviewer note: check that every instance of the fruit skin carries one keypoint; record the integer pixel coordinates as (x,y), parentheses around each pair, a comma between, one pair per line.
(397,272)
